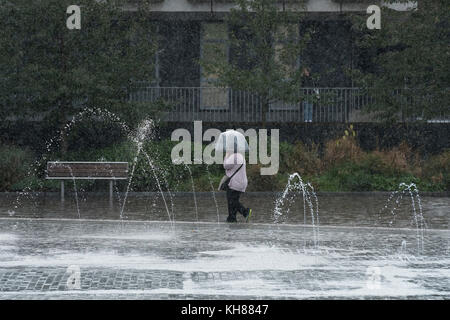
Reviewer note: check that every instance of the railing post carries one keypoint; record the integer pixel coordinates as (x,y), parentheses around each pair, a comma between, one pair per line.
(62,190)
(346,106)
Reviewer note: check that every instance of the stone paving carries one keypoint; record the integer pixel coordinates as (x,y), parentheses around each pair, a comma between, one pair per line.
(160,260)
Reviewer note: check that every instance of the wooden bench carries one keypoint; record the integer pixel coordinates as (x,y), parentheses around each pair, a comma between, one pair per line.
(87,171)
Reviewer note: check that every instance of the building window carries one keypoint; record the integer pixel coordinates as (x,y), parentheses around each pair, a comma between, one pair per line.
(178,54)
(213,47)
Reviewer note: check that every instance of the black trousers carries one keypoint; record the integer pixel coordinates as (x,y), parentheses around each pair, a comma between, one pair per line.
(234,205)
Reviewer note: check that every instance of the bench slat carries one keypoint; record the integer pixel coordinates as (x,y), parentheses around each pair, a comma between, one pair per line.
(87,170)
(88,174)
(85,166)
(59,170)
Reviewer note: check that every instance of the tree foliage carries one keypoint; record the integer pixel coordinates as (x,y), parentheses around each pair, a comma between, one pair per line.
(52,72)
(265,47)
(407,62)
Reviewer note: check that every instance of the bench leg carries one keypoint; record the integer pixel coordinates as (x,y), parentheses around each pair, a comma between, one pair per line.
(62,190)
(110,191)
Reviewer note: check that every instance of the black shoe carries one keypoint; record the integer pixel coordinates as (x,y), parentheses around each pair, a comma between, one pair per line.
(231,219)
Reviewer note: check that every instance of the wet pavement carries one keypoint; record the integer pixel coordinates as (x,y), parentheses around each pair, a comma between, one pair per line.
(351,209)
(105,259)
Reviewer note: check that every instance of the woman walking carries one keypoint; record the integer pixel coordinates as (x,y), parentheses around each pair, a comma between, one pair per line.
(235,170)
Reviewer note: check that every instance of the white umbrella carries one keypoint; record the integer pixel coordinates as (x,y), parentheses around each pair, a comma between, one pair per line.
(231,141)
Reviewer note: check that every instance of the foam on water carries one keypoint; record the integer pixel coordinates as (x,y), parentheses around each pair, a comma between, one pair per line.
(7,237)
(220,260)
(143,237)
(240,258)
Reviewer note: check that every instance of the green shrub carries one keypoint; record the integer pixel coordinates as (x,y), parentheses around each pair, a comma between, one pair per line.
(258,182)
(344,167)
(399,160)
(14,165)
(35,183)
(345,149)
(374,164)
(368,175)
(170,176)
(437,170)
(201,183)
(300,158)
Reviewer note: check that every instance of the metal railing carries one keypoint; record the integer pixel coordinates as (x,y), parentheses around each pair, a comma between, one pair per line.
(225,104)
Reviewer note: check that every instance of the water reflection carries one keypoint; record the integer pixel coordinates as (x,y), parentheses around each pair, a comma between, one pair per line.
(339,209)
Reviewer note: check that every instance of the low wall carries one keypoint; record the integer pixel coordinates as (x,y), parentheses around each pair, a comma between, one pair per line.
(429,138)
(426,137)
